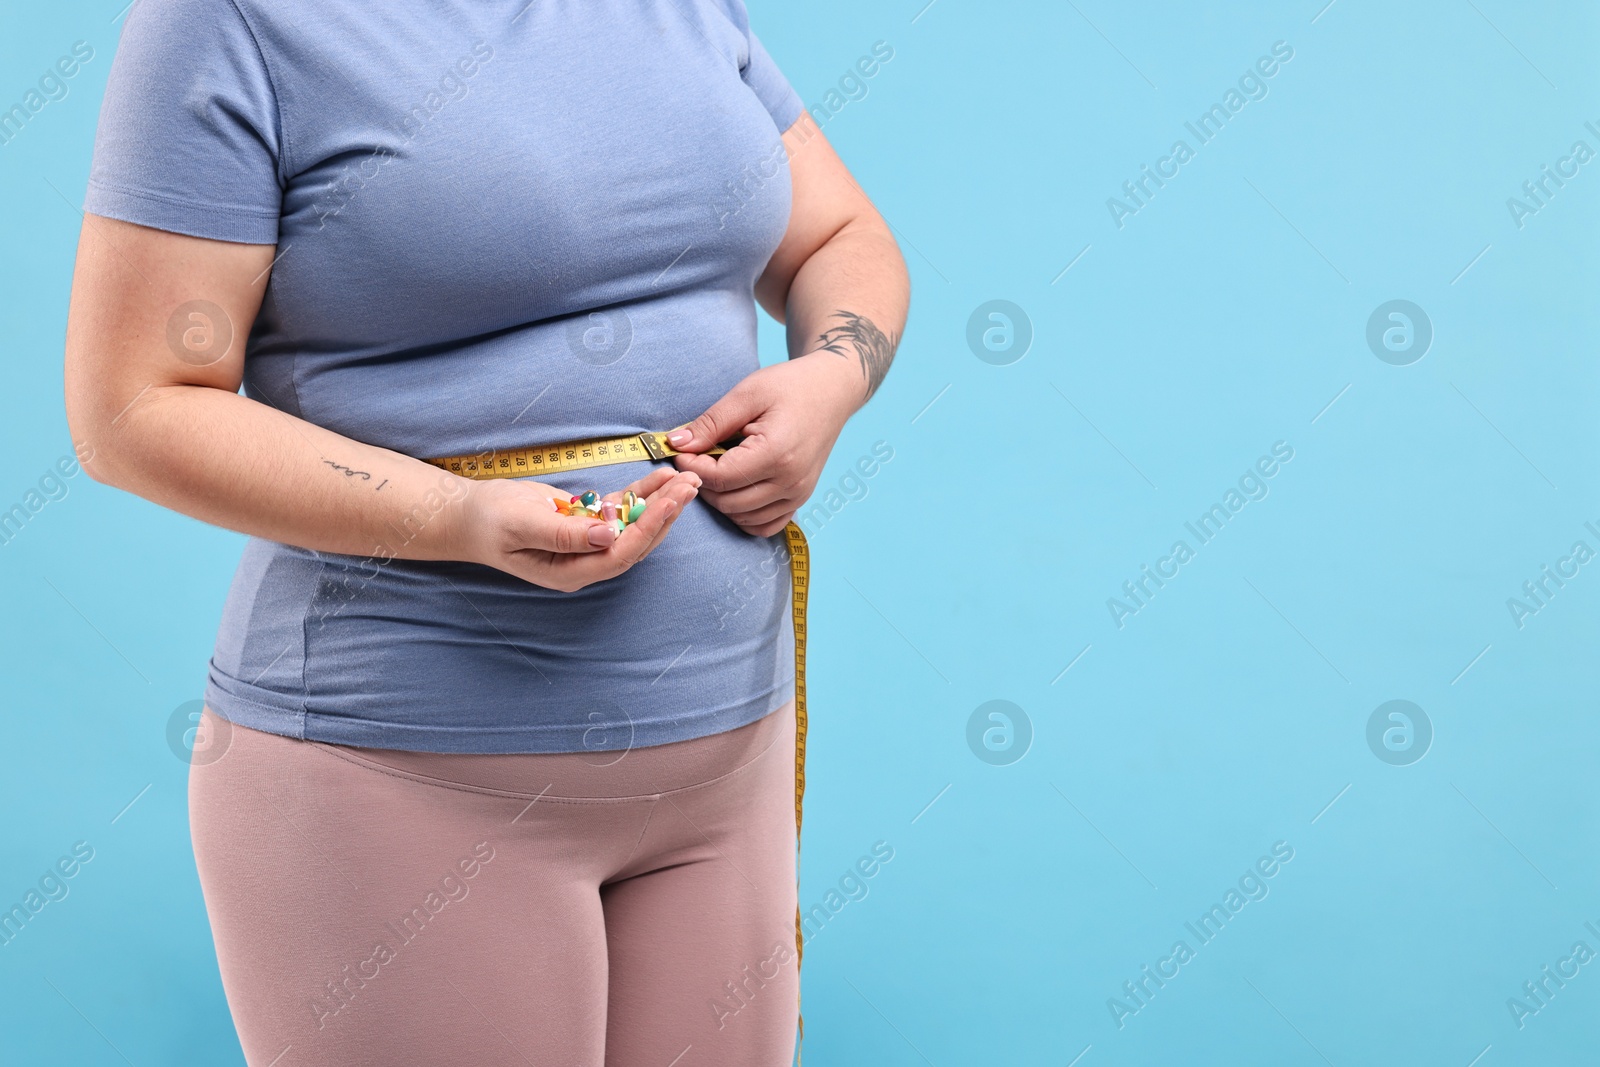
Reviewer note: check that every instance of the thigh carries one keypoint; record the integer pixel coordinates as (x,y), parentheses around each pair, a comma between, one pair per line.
(365,917)
(701,924)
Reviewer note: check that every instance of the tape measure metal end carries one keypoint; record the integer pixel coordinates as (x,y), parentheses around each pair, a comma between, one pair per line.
(656,444)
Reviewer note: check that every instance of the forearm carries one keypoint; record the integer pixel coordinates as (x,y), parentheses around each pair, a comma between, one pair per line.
(849,301)
(233,462)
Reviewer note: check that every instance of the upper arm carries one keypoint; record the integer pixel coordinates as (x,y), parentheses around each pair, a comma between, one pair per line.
(199,152)
(150,309)
(826,200)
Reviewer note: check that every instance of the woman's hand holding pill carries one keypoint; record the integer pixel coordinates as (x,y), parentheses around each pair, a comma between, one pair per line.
(521,527)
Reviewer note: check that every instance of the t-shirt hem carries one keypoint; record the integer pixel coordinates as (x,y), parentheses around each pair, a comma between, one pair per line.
(243,711)
(239,225)
(527,738)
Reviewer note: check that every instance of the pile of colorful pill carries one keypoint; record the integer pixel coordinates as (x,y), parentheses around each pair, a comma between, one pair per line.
(590,506)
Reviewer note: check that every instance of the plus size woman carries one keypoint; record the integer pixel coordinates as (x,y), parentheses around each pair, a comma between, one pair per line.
(483,783)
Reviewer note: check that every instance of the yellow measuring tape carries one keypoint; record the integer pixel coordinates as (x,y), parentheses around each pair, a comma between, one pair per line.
(599,451)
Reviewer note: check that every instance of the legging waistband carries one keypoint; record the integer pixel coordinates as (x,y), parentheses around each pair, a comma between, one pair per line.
(602,775)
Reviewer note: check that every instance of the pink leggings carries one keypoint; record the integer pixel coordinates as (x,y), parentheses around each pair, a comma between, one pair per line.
(600,909)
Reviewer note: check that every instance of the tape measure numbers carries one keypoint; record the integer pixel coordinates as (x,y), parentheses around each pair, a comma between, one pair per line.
(601,451)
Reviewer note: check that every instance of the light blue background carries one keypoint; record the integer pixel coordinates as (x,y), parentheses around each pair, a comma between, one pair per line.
(1223,717)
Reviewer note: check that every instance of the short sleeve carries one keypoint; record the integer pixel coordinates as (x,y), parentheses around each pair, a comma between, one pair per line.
(762,75)
(189,138)
(770,86)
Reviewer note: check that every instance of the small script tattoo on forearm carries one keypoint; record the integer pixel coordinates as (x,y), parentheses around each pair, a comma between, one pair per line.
(348,472)
(873,348)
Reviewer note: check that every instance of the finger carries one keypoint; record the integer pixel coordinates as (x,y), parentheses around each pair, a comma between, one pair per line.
(741,466)
(750,498)
(756,518)
(633,553)
(569,572)
(721,420)
(770,528)
(571,535)
(638,539)
(661,511)
(535,524)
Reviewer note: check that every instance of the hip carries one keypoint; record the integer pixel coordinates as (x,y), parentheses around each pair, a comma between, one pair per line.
(455,657)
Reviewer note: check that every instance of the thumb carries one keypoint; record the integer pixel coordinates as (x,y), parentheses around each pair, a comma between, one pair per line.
(728,416)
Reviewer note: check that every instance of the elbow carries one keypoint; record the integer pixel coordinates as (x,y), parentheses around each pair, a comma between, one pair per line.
(94,461)
(96,465)
(110,419)
(874,232)
(895,255)
(94,431)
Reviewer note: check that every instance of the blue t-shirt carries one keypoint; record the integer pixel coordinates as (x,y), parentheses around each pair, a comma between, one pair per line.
(499,224)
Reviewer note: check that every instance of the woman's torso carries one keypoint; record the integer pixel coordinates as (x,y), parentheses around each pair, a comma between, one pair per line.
(510,224)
